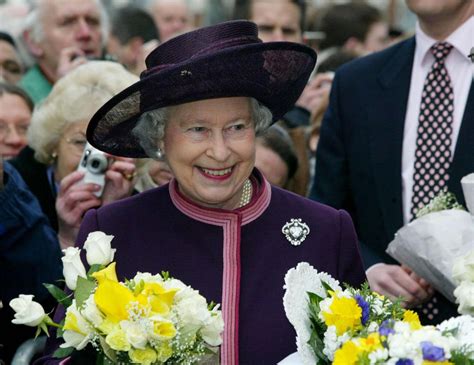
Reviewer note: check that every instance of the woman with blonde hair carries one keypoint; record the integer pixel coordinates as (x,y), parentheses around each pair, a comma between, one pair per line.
(56,141)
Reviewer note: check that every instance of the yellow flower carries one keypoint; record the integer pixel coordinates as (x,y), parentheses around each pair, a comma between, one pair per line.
(164,330)
(412,318)
(113,299)
(164,351)
(107,273)
(348,354)
(117,340)
(426,362)
(371,343)
(107,326)
(147,356)
(159,298)
(70,323)
(344,313)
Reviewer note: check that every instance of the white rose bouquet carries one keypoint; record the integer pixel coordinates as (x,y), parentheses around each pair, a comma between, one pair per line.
(150,319)
(431,244)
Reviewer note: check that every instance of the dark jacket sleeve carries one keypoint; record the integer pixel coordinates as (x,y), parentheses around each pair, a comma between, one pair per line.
(350,268)
(332,185)
(29,255)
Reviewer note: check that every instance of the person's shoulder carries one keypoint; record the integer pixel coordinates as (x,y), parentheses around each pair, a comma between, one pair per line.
(368,64)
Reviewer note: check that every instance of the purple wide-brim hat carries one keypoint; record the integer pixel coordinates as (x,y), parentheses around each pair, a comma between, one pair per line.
(224,60)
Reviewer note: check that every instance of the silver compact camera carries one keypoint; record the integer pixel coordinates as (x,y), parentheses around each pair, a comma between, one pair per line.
(94,164)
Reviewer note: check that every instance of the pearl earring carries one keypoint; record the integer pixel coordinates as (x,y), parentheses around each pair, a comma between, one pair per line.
(159,154)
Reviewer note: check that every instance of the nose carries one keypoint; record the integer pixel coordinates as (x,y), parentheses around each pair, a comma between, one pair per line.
(84,29)
(13,138)
(218,149)
(277,35)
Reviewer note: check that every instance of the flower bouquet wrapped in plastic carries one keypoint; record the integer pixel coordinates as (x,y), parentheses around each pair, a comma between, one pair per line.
(150,319)
(431,244)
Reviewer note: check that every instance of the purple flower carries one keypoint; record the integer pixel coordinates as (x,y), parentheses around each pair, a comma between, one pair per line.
(386,328)
(404,362)
(365,308)
(431,352)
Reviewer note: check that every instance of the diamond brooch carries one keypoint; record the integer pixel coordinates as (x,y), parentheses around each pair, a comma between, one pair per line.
(295,231)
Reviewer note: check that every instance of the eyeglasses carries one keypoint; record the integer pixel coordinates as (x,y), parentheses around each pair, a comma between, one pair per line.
(6,129)
(78,143)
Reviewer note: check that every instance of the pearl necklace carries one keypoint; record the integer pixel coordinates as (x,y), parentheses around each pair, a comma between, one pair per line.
(246,194)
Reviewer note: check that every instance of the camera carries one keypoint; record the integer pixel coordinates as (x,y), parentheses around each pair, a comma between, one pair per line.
(94,164)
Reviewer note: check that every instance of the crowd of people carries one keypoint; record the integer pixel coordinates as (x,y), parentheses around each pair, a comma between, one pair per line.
(211,129)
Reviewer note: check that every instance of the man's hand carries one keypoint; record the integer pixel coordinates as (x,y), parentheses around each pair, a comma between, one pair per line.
(69,59)
(396,281)
(315,95)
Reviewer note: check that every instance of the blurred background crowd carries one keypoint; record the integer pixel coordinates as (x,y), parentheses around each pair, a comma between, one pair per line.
(60,60)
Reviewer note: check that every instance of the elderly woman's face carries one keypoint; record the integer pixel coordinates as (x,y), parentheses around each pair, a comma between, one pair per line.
(210,147)
(70,148)
(15,116)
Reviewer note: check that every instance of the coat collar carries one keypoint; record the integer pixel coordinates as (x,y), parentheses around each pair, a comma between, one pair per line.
(258,204)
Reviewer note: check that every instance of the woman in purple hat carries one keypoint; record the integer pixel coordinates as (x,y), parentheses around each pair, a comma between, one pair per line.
(219,225)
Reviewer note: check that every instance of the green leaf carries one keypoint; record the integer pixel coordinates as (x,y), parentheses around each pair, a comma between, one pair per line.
(84,289)
(165,275)
(326,286)
(59,295)
(61,353)
(42,327)
(94,268)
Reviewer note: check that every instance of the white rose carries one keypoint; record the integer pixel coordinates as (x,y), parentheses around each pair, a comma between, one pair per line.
(135,334)
(99,250)
(211,333)
(192,310)
(463,268)
(27,311)
(146,277)
(91,312)
(72,266)
(77,332)
(464,294)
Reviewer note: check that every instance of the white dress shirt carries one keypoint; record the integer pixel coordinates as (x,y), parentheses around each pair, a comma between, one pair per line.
(461,72)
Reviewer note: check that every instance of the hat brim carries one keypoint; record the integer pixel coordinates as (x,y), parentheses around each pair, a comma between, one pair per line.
(273,73)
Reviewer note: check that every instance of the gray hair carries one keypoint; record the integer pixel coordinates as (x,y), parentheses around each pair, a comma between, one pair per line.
(35,26)
(150,128)
(75,97)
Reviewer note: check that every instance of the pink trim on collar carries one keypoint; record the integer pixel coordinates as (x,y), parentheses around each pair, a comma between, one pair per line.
(231,222)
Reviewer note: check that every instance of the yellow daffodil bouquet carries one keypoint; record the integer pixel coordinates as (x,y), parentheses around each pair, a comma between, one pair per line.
(150,319)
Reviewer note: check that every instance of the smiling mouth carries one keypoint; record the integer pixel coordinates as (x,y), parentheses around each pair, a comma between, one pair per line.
(216,173)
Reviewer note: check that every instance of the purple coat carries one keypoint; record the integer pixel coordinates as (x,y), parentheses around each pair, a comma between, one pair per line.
(160,230)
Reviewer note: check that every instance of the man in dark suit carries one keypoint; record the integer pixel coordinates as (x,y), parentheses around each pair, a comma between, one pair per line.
(372,158)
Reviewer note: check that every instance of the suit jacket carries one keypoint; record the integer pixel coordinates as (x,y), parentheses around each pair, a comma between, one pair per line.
(359,156)
(156,231)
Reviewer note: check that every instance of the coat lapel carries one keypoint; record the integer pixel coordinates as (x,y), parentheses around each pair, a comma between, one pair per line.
(386,119)
(463,159)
